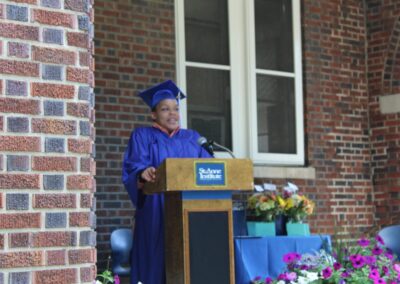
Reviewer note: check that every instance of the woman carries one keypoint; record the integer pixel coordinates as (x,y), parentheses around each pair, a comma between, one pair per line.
(148,147)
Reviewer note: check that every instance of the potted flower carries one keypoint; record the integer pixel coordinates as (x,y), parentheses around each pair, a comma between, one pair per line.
(297,208)
(262,208)
(367,262)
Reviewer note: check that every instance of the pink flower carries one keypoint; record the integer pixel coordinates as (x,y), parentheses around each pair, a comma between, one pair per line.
(337,266)
(116,279)
(291,276)
(396,267)
(363,242)
(379,239)
(358,263)
(379,281)
(291,257)
(374,274)
(327,272)
(368,259)
(385,270)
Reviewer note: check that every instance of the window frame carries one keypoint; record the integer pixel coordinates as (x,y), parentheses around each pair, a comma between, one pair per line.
(243,81)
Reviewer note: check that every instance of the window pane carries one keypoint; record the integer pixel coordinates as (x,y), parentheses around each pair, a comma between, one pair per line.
(206,31)
(276,115)
(274,40)
(209,104)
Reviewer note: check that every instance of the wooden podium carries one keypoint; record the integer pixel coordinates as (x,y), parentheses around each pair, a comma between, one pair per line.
(198,217)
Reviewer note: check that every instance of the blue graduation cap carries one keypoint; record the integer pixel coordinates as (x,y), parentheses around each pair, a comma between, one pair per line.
(165,90)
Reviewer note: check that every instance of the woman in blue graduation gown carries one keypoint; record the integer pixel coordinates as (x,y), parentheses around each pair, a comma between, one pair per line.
(148,147)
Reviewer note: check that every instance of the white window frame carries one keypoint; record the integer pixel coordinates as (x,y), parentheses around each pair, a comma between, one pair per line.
(243,81)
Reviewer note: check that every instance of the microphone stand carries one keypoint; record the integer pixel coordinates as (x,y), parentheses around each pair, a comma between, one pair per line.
(223,148)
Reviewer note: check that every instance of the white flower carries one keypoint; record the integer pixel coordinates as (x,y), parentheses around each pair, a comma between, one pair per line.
(280,282)
(97,282)
(269,187)
(291,187)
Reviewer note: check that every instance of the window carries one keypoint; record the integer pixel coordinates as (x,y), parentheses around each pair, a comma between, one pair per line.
(240,64)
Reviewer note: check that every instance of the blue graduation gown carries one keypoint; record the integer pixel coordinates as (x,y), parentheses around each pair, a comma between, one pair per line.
(149,146)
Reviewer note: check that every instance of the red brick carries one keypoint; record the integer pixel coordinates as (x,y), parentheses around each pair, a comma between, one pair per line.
(54,201)
(19,181)
(19,240)
(88,273)
(52,55)
(1,124)
(52,90)
(34,2)
(19,68)
(78,75)
(53,239)
(53,18)
(79,182)
(84,59)
(19,106)
(78,109)
(79,219)
(77,39)
(67,164)
(56,257)
(59,276)
(86,200)
(1,241)
(2,13)
(53,126)
(1,198)
(76,5)
(20,144)
(82,146)
(19,31)
(19,220)
(21,259)
(1,87)
(82,256)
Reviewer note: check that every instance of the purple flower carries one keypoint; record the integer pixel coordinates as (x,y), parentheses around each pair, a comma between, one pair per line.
(282,276)
(377,250)
(355,257)
(389,254)
(385,270)
(327,272)
(363,242)
(358,263)
(116,279)
(374,274)
(268,280)
(379,239)
(337,266)
(257,278)
(345,274)
(369,259)
(379,281)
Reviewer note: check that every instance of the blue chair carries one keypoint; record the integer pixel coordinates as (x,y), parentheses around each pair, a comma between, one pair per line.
(391,237)
(121,245)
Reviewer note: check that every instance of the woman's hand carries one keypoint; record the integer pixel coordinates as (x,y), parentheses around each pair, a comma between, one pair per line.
(149,174)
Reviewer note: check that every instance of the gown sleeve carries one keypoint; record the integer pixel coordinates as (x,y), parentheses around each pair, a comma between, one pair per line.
(136,159)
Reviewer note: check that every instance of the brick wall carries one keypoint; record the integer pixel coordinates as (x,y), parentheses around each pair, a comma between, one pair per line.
(134,49)
(346,64)
(383,22)
(46,139)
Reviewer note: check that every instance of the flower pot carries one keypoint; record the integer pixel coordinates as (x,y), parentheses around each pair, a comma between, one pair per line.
(298,229)
(260,229)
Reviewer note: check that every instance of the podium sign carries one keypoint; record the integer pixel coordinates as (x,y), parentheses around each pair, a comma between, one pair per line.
(198,216)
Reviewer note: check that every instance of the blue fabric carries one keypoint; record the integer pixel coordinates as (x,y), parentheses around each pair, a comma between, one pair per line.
(256,256)
(147,147)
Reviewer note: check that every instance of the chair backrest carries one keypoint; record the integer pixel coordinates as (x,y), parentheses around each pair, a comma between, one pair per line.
(121,245)
(391,237)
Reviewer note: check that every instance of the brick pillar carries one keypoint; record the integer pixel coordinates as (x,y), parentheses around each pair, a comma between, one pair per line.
(383,20)
(46,139)
(135,49)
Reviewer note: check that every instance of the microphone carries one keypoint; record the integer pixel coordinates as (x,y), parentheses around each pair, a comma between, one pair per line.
(208,144)
(202,141)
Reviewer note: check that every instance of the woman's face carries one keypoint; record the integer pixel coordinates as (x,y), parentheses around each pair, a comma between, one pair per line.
(166,114)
